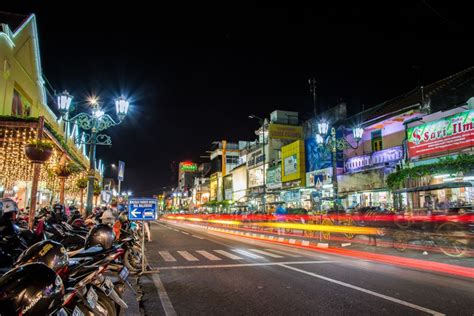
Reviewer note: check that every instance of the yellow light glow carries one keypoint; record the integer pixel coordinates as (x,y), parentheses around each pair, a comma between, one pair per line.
(324,228)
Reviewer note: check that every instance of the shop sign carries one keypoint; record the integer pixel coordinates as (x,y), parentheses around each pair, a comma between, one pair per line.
(273,178)
(380,157)
(254,158)
(323,176)
(291,164)
(291,184)
(281,131)
(188,166)
(450,133)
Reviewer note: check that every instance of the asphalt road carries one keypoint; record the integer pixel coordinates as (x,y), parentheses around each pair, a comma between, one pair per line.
(206,273)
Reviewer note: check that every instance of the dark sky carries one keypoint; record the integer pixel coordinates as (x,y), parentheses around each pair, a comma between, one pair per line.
(196,72)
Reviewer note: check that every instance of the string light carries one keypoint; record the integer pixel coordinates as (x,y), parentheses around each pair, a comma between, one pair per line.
(17,170)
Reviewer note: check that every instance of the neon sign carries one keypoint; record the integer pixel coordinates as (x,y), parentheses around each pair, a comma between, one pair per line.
(188,166)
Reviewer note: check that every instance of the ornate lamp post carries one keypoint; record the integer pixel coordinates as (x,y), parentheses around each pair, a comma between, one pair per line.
(93,123)
(334,144)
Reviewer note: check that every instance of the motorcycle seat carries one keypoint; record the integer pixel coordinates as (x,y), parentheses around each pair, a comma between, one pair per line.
(90,252)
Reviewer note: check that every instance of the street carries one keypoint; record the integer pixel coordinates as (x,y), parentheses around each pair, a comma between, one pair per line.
(204,272)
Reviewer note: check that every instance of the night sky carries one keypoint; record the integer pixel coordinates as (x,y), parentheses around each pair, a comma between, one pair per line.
(195,73)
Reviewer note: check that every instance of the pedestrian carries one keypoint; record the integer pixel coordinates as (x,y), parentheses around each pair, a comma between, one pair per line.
(147,231)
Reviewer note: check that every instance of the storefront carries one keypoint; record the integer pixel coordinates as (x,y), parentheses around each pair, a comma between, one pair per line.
(293,173)
(441,172)
(364,183)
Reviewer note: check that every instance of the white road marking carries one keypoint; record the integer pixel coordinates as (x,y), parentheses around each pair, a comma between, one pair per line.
(239,265)
(266,253)
(284,253)
(208,255)
(228,254)
(166,256)
(247,254)
(197,237)
(164,298)
(185,233)
(186,255)
(357,288)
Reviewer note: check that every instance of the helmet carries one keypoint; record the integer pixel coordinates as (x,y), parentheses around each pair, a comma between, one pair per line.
(58,209)
(49,252)
(8,206)
(31,289)
(123,217)
(101,235)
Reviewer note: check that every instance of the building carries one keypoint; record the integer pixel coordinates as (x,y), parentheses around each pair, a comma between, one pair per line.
(27,112)
(263,158)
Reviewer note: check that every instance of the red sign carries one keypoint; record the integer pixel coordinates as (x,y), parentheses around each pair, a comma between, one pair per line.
(450,133)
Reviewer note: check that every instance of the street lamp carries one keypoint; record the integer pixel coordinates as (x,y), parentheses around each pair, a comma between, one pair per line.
(95,123)
(331,142)
(262,123)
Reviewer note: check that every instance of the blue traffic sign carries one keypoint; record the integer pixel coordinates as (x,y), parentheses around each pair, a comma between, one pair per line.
(142,209)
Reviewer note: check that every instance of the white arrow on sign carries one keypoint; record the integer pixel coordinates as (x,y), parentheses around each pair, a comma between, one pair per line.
(134,212)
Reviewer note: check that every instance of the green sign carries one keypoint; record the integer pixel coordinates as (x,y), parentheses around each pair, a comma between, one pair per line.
(188,166)
(450,133)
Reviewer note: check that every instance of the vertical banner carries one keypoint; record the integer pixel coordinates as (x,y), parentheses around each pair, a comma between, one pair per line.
(121,170)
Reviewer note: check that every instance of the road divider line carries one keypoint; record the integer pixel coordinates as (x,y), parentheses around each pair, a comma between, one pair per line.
(228,255)
(360,289)
(164,298)
(186,255)
(185,233)
(208,255)
(197,237)
(166,256)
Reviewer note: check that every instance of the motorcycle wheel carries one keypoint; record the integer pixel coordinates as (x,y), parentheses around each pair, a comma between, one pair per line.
(106,303)
(133,259)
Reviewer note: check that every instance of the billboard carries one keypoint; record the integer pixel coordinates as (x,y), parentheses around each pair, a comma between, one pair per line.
(450,133)
(293,166)
(121,171)
(281,131)
(320,157)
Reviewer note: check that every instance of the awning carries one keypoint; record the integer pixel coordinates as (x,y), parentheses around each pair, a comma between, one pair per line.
(440,186)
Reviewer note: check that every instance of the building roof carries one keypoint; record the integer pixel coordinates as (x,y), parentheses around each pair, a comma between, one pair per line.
(13,20)
(450,91)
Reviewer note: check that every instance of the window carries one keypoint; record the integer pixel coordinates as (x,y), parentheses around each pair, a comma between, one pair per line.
(377,140)
(21,106)
(232,160)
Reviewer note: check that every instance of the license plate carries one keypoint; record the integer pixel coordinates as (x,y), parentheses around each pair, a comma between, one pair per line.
(107,286)
(124,273)
(62,312)
(77,312)
(92,298)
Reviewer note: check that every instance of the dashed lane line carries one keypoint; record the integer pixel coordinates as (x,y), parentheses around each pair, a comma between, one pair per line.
(228,254)
(266,253)
(284,253)
(208,255)
(166,256)
(240,265)
(247,254)
(186,255)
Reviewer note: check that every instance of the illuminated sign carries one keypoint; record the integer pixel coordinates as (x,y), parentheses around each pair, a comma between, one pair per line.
(452,132)
(293,166)
(281,131)
(188,166)
(393,154)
